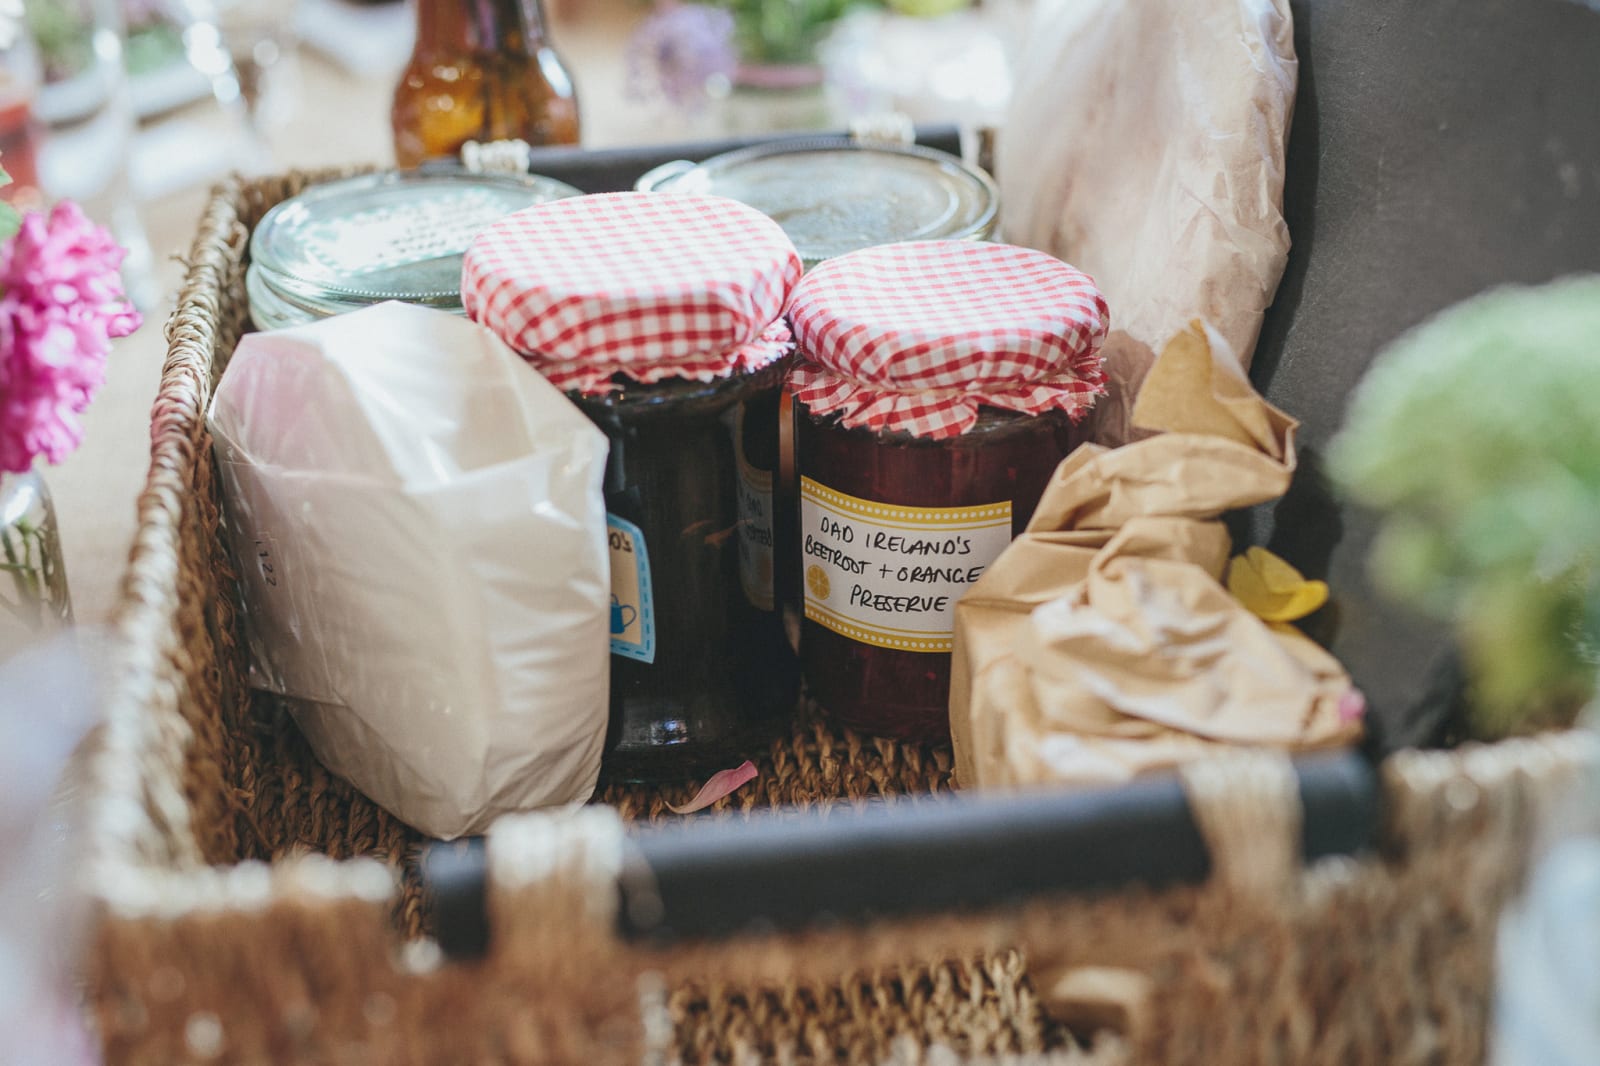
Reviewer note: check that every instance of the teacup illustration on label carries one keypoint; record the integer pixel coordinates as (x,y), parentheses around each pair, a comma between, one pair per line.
(633,621)
(622,616)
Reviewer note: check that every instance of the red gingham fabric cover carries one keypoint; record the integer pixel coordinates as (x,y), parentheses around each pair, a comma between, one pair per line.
(646,285)
(915,337)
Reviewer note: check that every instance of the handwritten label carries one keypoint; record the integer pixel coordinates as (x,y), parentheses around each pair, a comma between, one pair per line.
(633,615)
(890,576)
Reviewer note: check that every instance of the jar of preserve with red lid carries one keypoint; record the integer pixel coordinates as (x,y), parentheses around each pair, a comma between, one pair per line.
(661,315)
(937,388)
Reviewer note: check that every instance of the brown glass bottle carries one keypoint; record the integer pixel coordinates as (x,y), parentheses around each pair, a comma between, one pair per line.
(482,70)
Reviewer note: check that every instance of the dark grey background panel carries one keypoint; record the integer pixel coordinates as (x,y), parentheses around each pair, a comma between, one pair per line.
(1439,148)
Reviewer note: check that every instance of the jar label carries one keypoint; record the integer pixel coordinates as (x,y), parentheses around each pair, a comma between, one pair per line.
(756,520)
(755,534)
(890,576)
(633,615)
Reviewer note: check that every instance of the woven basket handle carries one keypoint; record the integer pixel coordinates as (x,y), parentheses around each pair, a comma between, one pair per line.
(1245,820)
(1248,808)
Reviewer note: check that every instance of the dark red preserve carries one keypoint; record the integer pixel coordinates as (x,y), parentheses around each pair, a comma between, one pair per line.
(936,393)
(997,471)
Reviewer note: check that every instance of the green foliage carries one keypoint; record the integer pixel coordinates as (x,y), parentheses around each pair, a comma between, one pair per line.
(785,31)
(64,34)
(152,47)
(10,219)
(1477,436)
(926,8)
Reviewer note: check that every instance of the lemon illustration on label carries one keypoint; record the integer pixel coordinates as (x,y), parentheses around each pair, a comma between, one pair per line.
(817,582)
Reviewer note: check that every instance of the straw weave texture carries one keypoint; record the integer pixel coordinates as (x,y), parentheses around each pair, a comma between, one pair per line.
(254,909)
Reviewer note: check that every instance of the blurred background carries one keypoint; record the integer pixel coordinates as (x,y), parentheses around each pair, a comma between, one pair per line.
(134,107)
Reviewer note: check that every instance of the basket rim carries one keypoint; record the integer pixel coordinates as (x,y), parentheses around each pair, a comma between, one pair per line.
(143,862)
(141,858)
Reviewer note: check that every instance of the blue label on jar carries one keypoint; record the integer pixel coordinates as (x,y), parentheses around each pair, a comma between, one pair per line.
(633,615)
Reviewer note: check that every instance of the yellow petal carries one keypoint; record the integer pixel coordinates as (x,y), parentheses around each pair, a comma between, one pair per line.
(1275,573)
(1273,590)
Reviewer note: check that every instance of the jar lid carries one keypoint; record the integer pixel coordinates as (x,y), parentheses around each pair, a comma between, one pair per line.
(268,310)
(651,287)
(833,196)
(916,337)
(274,307)
(389,236)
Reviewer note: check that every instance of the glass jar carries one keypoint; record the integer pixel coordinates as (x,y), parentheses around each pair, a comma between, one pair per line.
(661,316)
(936,390)
(348,244)
(20,128)
(833,195)
(702,674)
(33,577)
(954,504)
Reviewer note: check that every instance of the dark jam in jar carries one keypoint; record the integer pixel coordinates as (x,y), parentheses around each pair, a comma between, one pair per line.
(701,674)
(893,528)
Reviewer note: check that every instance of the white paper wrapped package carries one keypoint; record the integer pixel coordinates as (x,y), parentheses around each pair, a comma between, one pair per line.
(1146,145)
(418,521)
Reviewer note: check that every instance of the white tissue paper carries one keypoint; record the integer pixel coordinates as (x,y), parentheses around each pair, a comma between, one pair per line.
(418,521)
(1146,145)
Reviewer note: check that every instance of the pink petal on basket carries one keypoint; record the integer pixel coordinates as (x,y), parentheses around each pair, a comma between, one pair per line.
(1352,706)
(722,784)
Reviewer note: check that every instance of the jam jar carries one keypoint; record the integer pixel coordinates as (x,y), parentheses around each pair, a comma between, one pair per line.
(348,244)
(937,389)
(701,673)
(661,317)
(833,196)
(837,195)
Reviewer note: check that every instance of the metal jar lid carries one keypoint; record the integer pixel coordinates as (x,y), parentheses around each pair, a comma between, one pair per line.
(388,236)
(835,195)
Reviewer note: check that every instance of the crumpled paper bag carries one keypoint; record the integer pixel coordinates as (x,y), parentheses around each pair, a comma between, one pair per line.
(418,521)
(1145,145)
(1102,643)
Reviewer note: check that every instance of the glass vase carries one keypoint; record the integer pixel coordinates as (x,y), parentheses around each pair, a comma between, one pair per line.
(34,601)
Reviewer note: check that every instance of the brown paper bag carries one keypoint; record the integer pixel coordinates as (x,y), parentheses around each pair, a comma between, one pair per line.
(1102,643)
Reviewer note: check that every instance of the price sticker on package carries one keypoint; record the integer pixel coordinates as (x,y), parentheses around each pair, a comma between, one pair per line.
(890,576)
(633,615)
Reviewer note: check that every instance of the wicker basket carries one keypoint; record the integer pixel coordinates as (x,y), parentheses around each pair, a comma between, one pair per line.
(254,909)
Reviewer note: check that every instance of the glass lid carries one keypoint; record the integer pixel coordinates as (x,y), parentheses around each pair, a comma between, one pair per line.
(268,310)
(834,195)
(322,303)
(389,236)
(273,306)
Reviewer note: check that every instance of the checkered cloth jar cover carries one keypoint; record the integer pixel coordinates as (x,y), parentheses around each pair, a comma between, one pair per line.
(645,285)
(916,337)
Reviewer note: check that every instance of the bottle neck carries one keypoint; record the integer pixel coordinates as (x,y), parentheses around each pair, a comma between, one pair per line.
(480,26)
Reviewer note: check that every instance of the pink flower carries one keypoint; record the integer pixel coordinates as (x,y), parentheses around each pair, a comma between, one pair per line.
(678,50)
(61,302)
